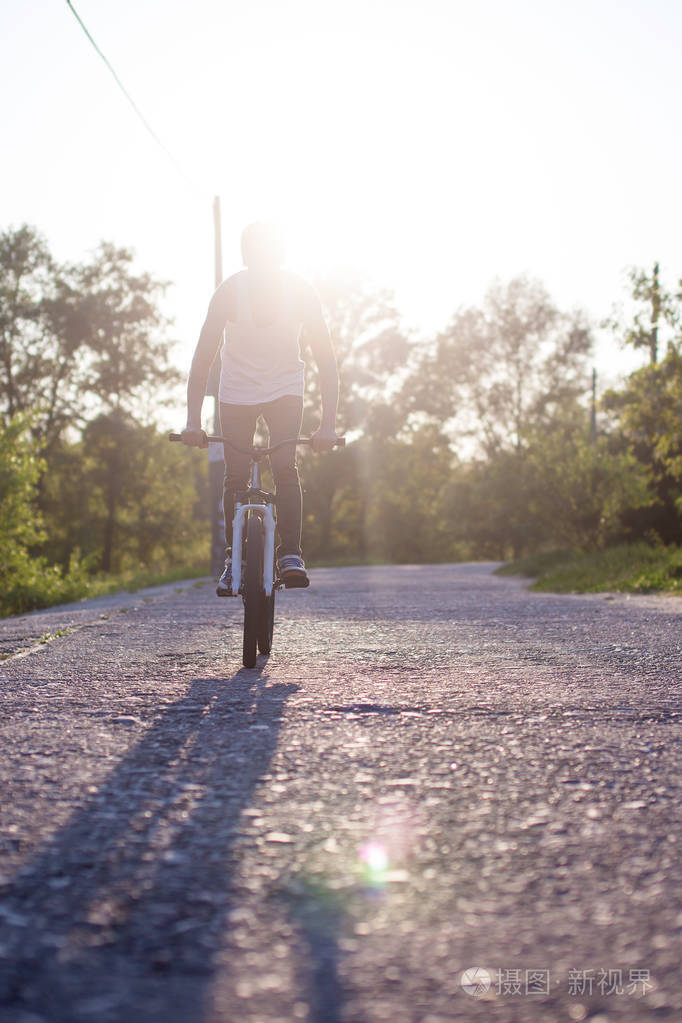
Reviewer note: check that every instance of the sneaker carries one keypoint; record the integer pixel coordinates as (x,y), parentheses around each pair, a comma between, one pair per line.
(224,587)
(291,570)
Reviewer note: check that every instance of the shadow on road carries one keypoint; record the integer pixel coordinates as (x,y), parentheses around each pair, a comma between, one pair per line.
(317,914)
(127,903)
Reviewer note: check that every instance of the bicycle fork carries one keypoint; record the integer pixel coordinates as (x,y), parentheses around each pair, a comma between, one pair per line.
(264,511)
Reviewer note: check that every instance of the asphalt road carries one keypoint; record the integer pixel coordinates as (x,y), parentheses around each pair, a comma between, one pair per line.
(434,771)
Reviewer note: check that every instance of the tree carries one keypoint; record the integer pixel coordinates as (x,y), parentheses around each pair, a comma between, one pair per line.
(120,319)
(36,360)
(486,505)
(372,352)
(648,412)
(383,500)
(125,497)
(656,309)
(75,339)
(404,482)
(27,580)
(580,490)
(370,345)
(20,524)
(561,489)
(326,482)
(498,369)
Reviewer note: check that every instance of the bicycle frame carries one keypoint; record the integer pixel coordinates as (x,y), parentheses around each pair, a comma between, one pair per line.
(241,512)
(258,583)
(261,508)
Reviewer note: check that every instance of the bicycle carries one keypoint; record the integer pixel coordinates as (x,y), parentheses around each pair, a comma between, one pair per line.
(254,574)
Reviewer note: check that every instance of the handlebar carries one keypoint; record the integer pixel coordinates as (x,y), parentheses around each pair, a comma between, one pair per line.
(258,453)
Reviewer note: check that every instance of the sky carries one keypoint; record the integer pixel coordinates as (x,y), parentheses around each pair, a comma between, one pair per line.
(432,145)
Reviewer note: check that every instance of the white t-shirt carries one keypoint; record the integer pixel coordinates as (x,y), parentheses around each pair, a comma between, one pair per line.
(260,364)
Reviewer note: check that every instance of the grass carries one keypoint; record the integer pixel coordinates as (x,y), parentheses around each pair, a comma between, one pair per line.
(132,581)
(47,637)
(48,587)
(628,568)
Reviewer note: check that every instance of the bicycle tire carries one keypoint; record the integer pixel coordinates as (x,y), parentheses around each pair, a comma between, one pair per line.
(253,589)
(267,622)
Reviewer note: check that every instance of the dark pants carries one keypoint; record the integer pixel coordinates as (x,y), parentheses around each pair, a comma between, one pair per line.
(283,420)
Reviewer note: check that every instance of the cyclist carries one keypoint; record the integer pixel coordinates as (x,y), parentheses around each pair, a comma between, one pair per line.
(268,315)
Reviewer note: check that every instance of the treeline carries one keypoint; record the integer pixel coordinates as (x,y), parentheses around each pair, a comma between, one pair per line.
(88,485)
(481,442)
(484,442)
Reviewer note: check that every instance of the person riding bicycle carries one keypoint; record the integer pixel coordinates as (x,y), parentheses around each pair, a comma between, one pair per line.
(268,315)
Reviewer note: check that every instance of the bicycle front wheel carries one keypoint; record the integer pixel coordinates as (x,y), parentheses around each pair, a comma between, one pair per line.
(254,595)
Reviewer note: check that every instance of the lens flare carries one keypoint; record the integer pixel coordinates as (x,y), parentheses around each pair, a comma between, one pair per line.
(375,857)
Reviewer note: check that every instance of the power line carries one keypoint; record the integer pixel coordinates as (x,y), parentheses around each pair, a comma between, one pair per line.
(134,105)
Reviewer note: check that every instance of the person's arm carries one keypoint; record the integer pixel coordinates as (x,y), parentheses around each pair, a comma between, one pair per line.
(319,341)
(220,307)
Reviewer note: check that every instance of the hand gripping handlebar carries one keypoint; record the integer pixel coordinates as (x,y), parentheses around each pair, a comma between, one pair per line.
(340,442)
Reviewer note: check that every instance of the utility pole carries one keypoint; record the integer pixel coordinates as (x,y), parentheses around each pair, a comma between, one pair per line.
(216,466)
(655,313)
(593,408)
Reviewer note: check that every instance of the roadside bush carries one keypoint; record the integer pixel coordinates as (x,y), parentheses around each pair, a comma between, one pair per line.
(27,581)
(627,568)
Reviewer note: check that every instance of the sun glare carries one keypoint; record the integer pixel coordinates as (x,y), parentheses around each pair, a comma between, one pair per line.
(347,171)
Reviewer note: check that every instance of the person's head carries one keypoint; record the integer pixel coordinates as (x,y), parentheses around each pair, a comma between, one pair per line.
(262,246)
